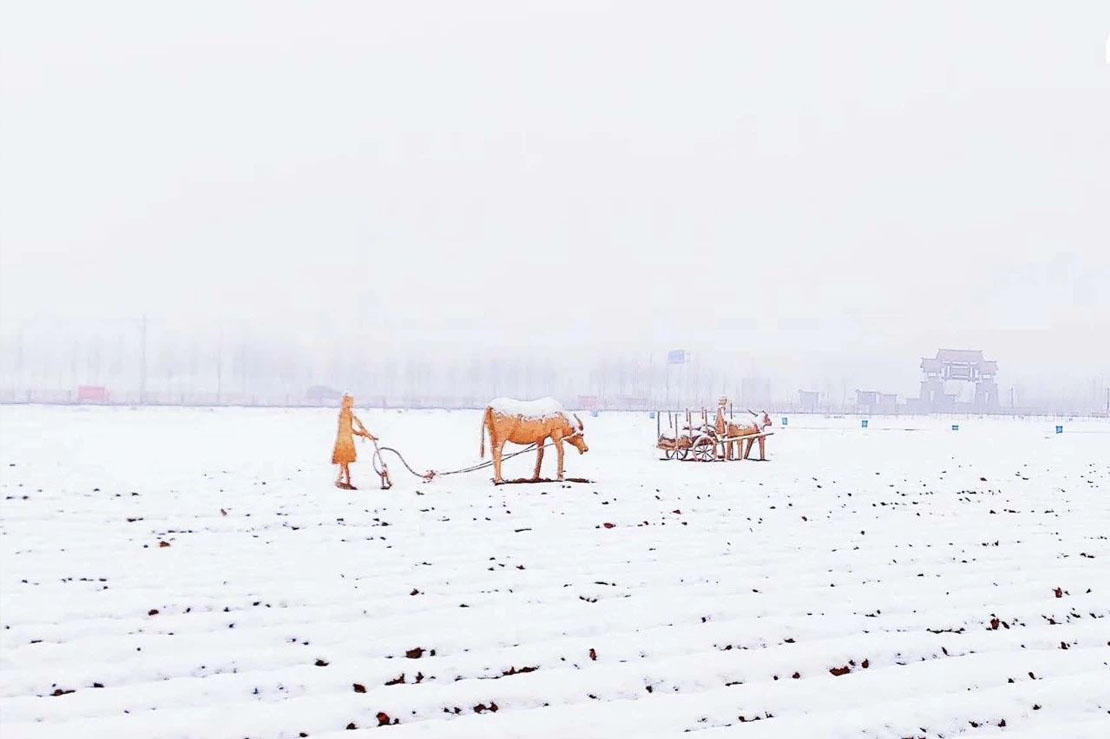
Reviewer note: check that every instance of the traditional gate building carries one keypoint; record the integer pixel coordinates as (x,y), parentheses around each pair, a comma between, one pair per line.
(958,380)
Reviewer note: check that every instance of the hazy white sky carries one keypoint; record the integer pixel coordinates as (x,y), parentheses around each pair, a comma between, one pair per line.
(854,183)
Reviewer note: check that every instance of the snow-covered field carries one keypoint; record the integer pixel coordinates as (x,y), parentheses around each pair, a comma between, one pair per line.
(191,572)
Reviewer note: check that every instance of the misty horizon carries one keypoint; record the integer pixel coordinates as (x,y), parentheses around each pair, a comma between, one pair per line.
(295,196)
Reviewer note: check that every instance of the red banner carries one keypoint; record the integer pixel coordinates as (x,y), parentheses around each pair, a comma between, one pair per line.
(92,394)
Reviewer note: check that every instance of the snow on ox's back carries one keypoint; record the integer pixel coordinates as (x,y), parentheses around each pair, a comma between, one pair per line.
(902,580)
(542,408)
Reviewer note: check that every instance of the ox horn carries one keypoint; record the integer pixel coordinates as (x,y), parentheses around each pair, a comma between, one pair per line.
(752,412)
(580,426)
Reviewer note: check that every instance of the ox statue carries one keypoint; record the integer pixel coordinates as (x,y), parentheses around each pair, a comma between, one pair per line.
(760,421)
(529,422)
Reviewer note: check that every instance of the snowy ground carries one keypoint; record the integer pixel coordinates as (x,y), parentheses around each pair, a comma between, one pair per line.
(959,579)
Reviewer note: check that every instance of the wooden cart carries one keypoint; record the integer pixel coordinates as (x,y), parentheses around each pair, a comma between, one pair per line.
(698,443)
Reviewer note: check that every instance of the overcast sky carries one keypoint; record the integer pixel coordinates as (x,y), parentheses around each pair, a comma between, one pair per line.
(851,183)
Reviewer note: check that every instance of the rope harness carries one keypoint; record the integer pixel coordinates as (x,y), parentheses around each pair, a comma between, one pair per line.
(383,471)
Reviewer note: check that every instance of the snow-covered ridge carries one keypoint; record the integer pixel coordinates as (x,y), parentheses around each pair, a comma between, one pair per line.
(542,408)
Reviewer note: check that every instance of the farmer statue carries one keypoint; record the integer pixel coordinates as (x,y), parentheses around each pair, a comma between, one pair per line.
(344,452)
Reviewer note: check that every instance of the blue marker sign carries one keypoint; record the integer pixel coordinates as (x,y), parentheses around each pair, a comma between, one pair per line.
(785,421)
(1059,429)
(863,424)
(955,427)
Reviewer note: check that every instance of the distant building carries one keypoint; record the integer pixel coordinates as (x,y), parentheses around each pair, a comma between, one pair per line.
(322,393)
(873,401)
(808,400)
(958,379)
(867,398)
(628,403)
(92,394)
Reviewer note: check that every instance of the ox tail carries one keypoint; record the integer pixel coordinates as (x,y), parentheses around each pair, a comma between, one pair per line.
(485,422)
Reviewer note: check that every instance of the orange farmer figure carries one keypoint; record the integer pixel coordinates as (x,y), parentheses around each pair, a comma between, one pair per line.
(344,452)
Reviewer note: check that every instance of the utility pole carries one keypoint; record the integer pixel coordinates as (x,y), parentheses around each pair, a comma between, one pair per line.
(18,358)
(219,365)
(667,383)
(142,360)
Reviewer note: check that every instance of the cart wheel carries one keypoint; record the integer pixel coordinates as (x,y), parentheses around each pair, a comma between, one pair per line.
(668,454)
(683,453)
(704,453)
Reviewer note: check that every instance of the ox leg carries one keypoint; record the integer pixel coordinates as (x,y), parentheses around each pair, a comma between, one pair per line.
(539,459)
(497,447)
(747,445)
(559,451)
(762,442)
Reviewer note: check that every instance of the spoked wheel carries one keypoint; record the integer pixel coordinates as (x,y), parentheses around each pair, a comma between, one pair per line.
(683,453)
(705,453)
(669,454)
